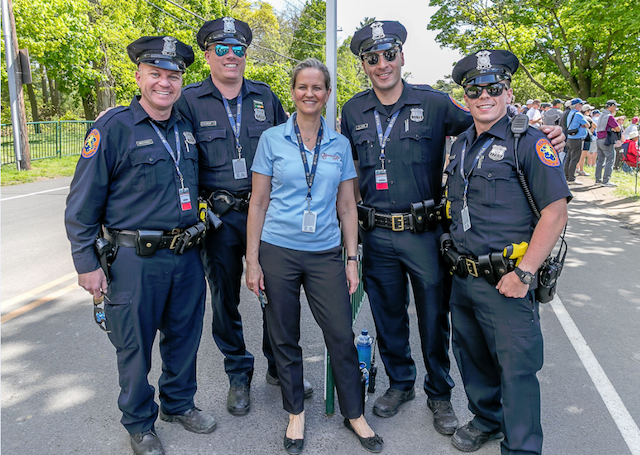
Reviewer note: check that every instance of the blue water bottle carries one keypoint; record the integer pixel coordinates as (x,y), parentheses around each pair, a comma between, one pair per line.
(363,345)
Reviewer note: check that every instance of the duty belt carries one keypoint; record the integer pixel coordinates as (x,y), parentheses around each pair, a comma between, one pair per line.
(146,242)
(397,222)
(490,266)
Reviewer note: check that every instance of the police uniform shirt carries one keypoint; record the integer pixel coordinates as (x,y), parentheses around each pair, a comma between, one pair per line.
(498,208)
(126,179)
(414,154)
(202,103)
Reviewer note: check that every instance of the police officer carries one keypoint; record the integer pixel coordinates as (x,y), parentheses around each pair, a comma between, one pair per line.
(229,113)
(136,186)
(397,132)
(496,327)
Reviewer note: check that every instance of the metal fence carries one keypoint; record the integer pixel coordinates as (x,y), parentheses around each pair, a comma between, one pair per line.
(46,139)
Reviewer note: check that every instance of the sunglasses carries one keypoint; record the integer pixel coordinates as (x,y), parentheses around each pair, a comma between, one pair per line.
(222,50)
(373,59)
(475,91)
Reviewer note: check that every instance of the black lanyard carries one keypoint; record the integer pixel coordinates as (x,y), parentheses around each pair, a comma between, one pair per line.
(176,161)
(465,177)
(237,123)
(316,153)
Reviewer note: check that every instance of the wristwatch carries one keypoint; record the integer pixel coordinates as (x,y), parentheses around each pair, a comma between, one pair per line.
(354,258)
(525,277)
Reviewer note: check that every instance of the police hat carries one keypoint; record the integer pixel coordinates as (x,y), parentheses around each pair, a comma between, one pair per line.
(485,67)
(378,36)
(225,30)
(164,52)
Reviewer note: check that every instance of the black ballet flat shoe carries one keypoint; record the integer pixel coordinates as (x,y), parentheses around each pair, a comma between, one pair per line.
(372,444)
(293,446)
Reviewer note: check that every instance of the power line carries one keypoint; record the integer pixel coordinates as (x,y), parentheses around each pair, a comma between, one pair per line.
(171,15)
(184,9)
(304,5)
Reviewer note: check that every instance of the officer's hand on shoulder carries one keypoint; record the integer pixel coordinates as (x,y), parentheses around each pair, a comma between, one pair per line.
(511,286)
(95,283)
(555,135)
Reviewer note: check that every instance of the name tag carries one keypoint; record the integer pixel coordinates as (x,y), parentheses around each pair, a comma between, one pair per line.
(364,126)
(208,123)
(145,142)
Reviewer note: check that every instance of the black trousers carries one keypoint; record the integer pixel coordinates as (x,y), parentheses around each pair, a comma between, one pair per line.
(323,276)
(574,151)
(222,258)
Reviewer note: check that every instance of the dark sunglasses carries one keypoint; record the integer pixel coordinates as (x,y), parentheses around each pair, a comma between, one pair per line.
(475,91)
(373,59)
(222,50)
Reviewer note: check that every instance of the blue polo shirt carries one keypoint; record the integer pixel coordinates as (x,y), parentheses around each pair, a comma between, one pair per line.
(278,156)
(577,121)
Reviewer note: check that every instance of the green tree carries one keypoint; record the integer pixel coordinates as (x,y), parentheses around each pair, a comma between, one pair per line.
(567,48)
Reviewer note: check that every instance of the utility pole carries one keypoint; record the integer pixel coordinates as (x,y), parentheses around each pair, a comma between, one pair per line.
(332,61)
(16,95)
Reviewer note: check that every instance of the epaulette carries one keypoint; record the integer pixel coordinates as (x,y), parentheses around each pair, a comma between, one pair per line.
(260,83)
(358,95)
(194,85)
(111,113)
(427,88)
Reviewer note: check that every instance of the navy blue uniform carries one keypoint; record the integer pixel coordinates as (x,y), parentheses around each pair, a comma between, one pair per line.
(414,163)
(126,180)
(497,340)
(202,103)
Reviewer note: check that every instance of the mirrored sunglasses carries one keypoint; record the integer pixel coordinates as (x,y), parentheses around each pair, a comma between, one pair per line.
(222,50)
(475,91)
(373,59)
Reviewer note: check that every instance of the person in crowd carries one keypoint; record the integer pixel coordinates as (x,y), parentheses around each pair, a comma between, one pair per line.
(229,113)
(593,150)
(586,144)
(633,126)
(553,114)
(497,340)
(397,133)
(136,187)
(630,147)
(303,181)
(527,106)
(606,152)
(577,128)
(535,117)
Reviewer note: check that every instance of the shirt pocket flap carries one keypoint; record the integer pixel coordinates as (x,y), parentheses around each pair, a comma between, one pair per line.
(360,137)
(451,167)
(210,135)
(416,133)
(146,155)
(493,172)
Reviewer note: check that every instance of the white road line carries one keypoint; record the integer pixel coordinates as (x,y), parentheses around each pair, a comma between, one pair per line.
(616,407)
(33,194)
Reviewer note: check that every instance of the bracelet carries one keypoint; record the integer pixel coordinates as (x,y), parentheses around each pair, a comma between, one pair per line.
(353,258)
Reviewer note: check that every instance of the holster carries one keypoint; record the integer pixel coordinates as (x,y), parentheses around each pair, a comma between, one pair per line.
(147,242)
(189,238)
(366,217)
(105,252)
(420,217)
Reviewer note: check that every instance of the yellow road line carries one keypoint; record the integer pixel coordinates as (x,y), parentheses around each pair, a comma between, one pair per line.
(37,303)
(37,290)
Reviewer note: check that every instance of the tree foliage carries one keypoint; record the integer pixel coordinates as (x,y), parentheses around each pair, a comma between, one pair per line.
(567,48)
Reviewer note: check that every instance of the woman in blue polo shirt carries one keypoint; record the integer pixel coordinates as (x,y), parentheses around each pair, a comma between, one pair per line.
(303,179)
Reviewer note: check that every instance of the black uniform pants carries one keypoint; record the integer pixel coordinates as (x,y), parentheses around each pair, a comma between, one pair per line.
(323,276)
(222,257)
(498,346)
(390,260)
(164,292)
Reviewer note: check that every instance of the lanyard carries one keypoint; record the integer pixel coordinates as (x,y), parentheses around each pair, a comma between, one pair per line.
(383,139)
(465,177)
(235,124)
(316,153)
(168,147)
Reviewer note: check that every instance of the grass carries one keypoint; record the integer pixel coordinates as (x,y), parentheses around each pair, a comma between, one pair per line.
(44,169)
(626,183)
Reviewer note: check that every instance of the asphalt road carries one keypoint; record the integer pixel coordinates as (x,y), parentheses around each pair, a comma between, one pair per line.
(60,386)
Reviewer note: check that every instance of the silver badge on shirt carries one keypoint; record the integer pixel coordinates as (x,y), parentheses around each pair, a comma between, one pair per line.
(188,136)
(417,114)
(497,152)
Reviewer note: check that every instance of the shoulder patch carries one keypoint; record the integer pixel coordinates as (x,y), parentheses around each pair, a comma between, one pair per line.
(458,105)
(91,143)
(547,153)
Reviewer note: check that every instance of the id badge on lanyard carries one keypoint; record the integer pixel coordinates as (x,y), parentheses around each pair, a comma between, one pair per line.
(464,212)
(309,218)
(239,164)
(183,193)
(382,182)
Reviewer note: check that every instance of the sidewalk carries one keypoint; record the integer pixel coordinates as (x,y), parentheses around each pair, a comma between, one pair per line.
(624,209)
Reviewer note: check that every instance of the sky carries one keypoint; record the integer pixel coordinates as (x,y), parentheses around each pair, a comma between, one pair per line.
(424,58)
